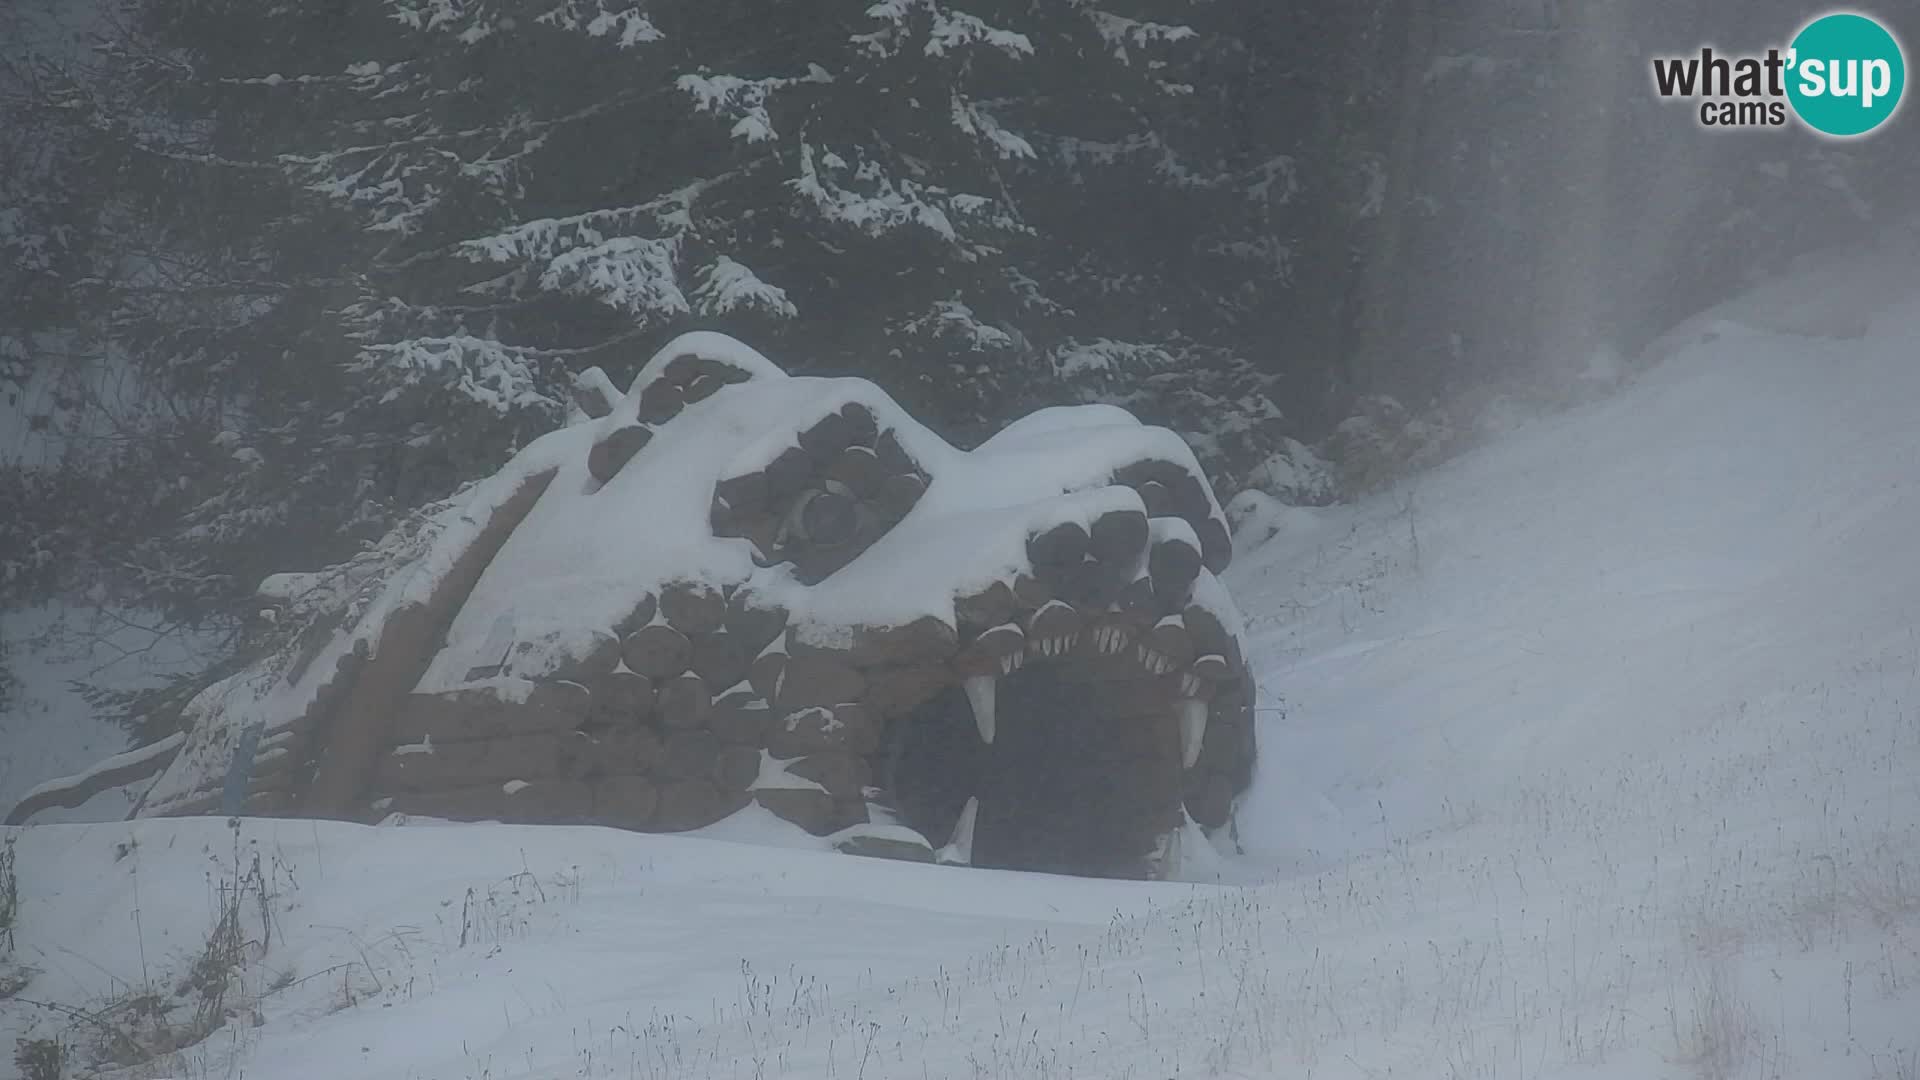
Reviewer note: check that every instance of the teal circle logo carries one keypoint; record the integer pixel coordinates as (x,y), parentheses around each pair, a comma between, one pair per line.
(1846,75)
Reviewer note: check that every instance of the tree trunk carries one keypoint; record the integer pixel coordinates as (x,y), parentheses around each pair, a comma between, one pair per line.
(1381,342)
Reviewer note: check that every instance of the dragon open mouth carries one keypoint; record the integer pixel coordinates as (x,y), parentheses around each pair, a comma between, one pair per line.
(1072,743)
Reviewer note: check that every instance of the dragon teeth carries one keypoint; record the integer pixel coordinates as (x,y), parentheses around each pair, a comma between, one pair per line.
(980,695)
(1193,729)
(959,849)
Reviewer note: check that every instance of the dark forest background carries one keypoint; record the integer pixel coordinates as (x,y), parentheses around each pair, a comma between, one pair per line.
(275,273)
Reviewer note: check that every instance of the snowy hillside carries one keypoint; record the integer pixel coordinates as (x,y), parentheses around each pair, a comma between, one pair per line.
(1595,753)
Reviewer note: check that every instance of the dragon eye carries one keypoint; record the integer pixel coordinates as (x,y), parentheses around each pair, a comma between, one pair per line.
(825,519)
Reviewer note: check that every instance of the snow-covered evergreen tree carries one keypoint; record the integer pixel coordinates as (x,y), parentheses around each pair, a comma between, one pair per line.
(921,191)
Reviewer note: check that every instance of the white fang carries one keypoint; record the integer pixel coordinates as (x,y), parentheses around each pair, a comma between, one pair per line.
(980,695)
(1193,729)
(959,850)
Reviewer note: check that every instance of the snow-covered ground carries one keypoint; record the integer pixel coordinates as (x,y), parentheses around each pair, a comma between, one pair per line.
(1595,753)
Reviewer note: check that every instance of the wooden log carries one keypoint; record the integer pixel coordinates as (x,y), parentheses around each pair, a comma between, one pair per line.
(752,621)
(625,802)
(702,388)
(622,699)
(1055,619)
(1190,497)
(1216,544)
(894,455)
(764,534)
(1061,545)
(1209,633)
(815,679)
(625,750)
(660,402)
(860,470)
(736,767)
(990,606)
(194,805)
(1212,668)
(861,425)
(1174,560)
(924,640)
(1030,593)
(689,754)
(844,775)
(684,701)
(1159,501)
(1118,537)
(349,741)
(789,474)
(615,449)
(1174,565)
(746,494)
(987,653)
(720,518)
(564,658)
(1222,747)
(482,714)
(740,719)
(683,368)
(886,847)
(593,394)
(851,812)
(720,658)
(1092,585)
(531,802)
(765,671)
(818,729)
(642,614)
(658,651)
(692,803)
(827,438)
(811,809)
(826,521)
(429,765)
(1209,798)
(767,667)
(1239,739)
(267,803)
(900,493)
(274,767)
(896,691)
(693,608)
(1169,638)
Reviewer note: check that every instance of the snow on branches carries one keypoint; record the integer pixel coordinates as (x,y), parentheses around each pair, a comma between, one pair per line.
(744,100)
(1119,32)
(940,30)
(638,275)
(871,200)
(627,26)
(498,376)
(727,286)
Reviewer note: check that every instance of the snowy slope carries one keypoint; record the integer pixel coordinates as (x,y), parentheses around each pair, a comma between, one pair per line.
(1594,754)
